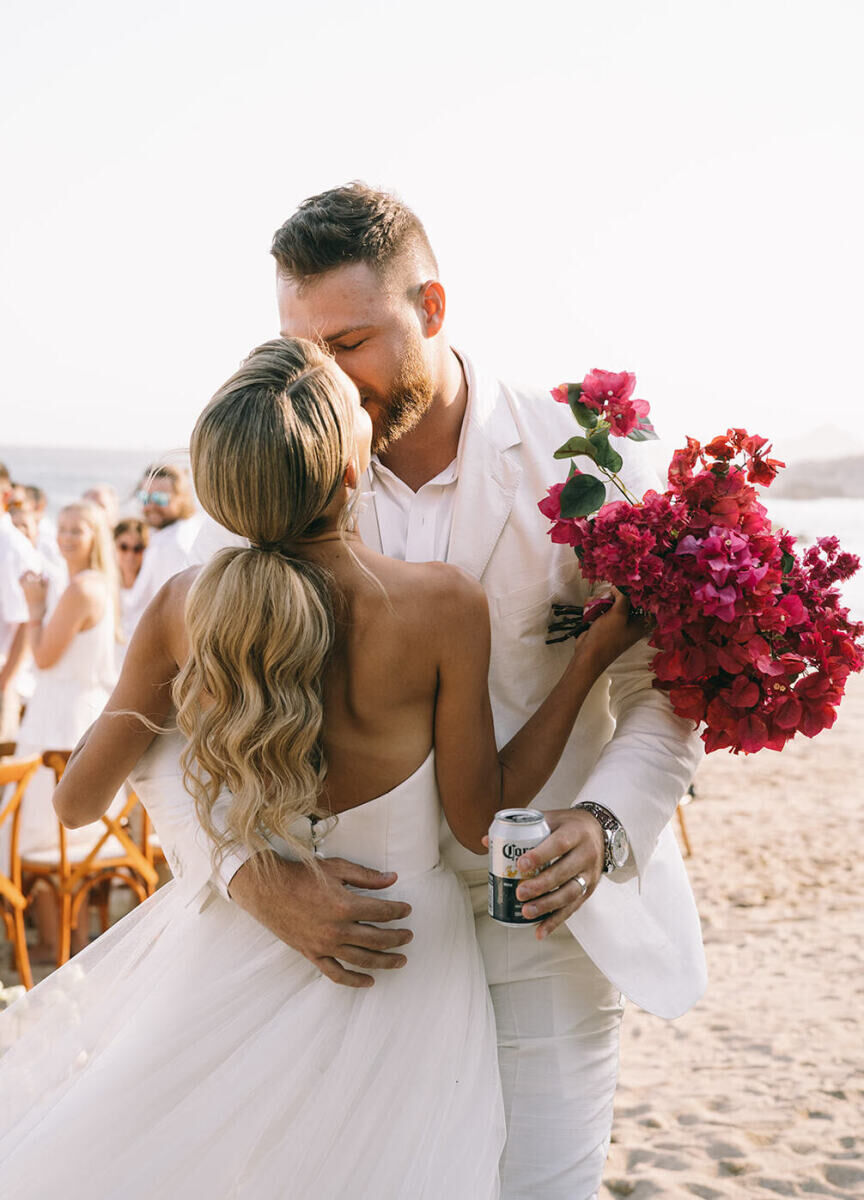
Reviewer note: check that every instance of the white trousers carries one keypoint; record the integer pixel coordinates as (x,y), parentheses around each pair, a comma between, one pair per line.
(558,1024)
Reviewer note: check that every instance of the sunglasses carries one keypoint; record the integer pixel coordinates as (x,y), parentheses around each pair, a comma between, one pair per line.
(130,549)
(160,499)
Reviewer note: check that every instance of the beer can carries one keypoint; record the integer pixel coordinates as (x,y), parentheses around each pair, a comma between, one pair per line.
(512,833)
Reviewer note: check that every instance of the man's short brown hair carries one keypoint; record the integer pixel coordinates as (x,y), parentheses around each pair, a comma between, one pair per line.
(346,225)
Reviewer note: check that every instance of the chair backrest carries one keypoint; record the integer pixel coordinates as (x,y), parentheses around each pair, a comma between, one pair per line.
(18,771)
(57,761)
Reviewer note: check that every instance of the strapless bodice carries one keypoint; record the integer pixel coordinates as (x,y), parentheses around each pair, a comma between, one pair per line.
(397,831)
(394,832)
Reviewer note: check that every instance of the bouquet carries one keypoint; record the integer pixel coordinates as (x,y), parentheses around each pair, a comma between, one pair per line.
(753,642)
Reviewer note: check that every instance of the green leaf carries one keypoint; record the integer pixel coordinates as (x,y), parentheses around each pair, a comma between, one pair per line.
(604,455)
(581,495)
(787,562)
(644,432)
(576,445)
(586,417)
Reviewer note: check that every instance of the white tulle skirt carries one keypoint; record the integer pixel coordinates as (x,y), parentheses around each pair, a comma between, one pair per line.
(190,1053)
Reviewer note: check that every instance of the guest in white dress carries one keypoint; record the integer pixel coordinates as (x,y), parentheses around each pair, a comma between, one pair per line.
(131,538)
(332,699)
(72,642)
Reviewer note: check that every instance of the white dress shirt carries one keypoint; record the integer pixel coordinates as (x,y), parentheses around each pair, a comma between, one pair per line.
(16,556)
(167,553)
(415,526)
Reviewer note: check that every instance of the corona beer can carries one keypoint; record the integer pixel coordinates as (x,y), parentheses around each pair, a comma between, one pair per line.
(513,832)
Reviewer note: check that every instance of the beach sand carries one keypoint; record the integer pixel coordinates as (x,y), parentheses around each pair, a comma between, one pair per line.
(759,1091)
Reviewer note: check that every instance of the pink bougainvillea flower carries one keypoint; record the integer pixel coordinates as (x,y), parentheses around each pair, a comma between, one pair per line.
(683,462)
(562,531)
(602,389)
(560,394)
(720,447)
(623,417)
(752,639)
(764,470)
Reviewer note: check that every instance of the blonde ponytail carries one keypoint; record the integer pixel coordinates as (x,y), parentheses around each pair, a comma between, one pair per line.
(269,453)
(261,626)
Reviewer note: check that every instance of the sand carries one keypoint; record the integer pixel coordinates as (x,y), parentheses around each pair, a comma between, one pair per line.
(759,1090)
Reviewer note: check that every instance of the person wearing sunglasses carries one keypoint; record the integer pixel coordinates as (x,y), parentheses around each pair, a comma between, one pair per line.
(168,509)
(131,537)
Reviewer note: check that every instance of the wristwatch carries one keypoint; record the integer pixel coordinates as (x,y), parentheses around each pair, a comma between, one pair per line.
(617,843)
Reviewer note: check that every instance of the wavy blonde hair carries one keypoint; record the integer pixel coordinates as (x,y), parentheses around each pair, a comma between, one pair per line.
(269,455)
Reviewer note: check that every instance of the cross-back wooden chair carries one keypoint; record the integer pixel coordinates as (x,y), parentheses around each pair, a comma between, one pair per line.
(72,872)
(17,771)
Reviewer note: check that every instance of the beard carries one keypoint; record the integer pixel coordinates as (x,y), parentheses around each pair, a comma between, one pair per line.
(408,400)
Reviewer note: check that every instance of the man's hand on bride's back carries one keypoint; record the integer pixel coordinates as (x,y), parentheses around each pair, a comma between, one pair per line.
(317,914)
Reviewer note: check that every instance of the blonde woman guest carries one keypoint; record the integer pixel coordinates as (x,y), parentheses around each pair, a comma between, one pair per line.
(72,641)
(332,700)
(130,545)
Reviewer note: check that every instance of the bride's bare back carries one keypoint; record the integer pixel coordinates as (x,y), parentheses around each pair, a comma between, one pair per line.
(382,678)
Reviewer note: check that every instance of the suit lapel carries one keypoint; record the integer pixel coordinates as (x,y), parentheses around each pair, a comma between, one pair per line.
(489,473)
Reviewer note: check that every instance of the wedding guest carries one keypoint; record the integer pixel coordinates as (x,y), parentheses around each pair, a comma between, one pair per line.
(46,538)
(168,507)
(24,520)
(18,497)
(17,555)
(105,496)
(72,639)
(130,544)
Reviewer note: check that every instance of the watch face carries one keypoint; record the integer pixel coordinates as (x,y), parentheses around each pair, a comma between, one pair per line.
(620,848)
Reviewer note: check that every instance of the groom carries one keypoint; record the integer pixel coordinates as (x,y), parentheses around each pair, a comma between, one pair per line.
(461,460)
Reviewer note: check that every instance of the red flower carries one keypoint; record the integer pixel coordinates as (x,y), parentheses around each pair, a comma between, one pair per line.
(560,394)
(683,462)
(752,639)
(609,393)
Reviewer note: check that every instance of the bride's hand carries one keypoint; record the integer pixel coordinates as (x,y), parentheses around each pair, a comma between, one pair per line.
(614,632)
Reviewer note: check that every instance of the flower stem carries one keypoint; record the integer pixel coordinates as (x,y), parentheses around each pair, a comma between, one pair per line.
(622,488)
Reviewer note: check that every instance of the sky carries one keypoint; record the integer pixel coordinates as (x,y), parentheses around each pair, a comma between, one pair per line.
(672,188)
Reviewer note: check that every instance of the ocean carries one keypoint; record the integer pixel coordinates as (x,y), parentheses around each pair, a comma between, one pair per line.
(66,473)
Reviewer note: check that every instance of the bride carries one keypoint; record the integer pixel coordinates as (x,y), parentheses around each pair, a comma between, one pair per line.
(330,700)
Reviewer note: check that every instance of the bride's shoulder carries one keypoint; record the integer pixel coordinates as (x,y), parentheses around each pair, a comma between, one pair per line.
(446,591)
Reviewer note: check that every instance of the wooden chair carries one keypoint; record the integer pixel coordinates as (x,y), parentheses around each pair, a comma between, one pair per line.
(73,872)
(12,899)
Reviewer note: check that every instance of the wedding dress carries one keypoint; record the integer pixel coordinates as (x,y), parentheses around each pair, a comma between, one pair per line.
(189,1052)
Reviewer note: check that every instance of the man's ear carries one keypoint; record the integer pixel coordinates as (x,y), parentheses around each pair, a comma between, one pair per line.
(351,475)
(433,304)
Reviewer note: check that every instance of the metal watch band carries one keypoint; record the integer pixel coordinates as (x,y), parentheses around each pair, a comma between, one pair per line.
(607,819)
(609,823)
